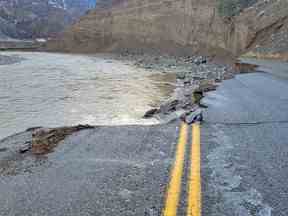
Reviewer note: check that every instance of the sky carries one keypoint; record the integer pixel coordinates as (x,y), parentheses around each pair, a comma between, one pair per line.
(92,3)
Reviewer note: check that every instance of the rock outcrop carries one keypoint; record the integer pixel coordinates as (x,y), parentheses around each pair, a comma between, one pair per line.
(172,25)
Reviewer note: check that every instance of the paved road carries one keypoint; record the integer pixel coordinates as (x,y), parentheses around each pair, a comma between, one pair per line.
(128,170)
(103,171)
(245,147)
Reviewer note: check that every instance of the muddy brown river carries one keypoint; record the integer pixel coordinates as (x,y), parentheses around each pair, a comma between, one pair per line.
(50,90)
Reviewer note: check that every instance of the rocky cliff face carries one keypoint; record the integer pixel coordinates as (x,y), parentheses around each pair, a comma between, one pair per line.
(38,18)
(173,25)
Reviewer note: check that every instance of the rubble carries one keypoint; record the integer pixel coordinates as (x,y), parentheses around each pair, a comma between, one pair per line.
(195,76)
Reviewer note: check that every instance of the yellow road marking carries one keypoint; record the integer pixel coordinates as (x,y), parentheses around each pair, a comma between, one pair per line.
(174,187)
(194,192)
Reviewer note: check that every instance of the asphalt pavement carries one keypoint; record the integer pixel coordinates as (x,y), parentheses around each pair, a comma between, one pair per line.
(245,147)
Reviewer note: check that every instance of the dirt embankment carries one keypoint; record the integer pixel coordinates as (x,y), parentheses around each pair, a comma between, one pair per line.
(178,27)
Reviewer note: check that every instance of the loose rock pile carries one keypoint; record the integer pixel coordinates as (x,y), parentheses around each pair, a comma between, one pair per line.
(195,76)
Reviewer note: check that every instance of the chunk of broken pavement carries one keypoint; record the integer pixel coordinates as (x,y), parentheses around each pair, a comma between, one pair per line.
(193,116)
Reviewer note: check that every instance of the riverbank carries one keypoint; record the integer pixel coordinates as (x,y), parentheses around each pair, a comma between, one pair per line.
(194,75)
(174,86)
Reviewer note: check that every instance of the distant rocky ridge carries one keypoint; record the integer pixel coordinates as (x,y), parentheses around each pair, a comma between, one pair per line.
(185,26)
(39,18)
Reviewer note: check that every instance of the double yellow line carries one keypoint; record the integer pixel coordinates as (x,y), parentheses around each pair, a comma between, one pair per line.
(194,184)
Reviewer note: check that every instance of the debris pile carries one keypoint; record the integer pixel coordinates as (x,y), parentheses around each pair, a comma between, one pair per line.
(196,75)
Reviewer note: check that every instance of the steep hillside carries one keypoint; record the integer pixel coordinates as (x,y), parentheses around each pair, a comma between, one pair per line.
(271,41)
(38,18)
(175,25)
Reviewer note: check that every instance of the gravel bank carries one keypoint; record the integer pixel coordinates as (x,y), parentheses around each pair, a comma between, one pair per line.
(195,76)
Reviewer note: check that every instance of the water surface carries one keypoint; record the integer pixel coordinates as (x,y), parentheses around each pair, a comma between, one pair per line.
(48,89)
